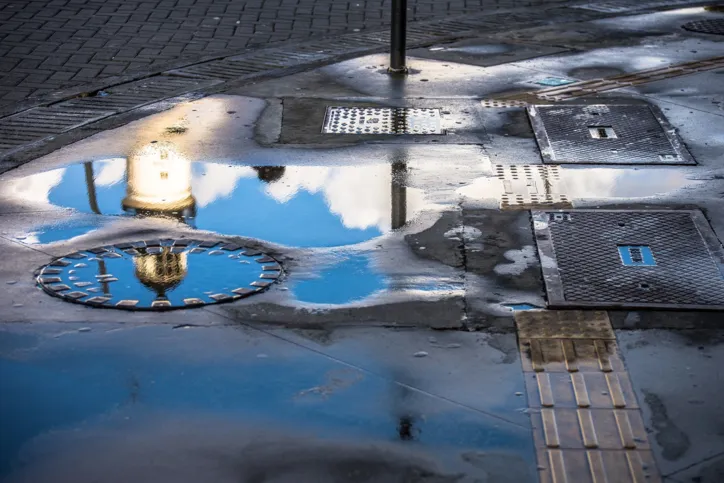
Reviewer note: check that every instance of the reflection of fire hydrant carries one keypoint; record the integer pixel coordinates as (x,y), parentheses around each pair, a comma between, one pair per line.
(159,182)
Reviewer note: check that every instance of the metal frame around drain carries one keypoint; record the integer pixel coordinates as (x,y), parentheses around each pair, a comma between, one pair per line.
(552,277)
(547,151)
(50,281)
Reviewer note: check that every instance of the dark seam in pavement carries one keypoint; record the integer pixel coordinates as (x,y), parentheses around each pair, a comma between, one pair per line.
(367,371)
(27,246)
(708,458)
(653,98)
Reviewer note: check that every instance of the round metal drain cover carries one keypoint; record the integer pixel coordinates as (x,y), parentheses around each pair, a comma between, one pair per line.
(159,274)
(713,26)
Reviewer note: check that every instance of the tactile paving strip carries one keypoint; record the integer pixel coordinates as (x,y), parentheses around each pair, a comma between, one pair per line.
(530,186)
(382,120)
(618,258)
(606,134)
(159,274)
(587,426)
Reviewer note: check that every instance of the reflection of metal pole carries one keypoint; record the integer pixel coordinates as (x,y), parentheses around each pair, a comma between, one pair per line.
(102,271)
(399,194)
(90,184)
(398,200)
(398,34)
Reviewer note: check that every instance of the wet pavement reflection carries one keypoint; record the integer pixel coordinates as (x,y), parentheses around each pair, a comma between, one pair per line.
(352,279)
(160,274)
(229,405)
(591,183)
(300,206)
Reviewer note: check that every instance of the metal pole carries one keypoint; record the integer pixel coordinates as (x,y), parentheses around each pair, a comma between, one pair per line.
(398,36)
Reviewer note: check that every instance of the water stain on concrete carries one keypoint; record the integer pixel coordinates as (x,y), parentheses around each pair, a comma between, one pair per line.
(506,345)
(673,441)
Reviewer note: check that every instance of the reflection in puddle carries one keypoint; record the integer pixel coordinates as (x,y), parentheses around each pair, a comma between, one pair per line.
(303,206)
(180,405)
(596,183)
(160,274)
(60,231)
(484,49)
(348,281)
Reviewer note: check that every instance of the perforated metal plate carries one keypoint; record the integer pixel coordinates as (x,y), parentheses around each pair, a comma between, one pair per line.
(159,274)
(382,120)
(712,26)
(682,261)
(606,134)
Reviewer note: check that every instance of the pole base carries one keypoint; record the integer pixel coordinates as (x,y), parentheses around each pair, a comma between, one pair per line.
(397,71)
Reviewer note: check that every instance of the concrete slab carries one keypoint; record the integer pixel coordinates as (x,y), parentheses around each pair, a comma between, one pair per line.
(484,54)
(303,119)
(711,470)
(367,77)
(677,382)
(234,404)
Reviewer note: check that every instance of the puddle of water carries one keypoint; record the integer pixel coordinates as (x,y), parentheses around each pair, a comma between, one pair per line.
(428,78)
(485,49)
(624,59)
(302,206)
(554,82)
(598,183)
(518,307)
(62,230)
(351,280)
(101,402)
(165,273)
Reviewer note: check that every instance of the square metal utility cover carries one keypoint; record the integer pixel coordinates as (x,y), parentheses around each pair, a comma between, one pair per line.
(606,134)
(628,259)
(381,120)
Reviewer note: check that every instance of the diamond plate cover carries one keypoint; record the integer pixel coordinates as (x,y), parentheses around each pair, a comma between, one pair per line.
(381,120)
(639,134)
(582,266)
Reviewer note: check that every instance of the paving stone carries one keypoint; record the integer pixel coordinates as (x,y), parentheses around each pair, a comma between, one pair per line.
(82,41)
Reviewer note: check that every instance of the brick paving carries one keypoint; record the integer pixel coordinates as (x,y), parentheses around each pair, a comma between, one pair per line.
(47,45)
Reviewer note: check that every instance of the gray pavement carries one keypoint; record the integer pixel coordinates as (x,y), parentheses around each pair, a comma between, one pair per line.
(387,350)
(48,46)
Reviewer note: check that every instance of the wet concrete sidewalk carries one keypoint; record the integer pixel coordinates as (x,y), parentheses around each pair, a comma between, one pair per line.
(505,266)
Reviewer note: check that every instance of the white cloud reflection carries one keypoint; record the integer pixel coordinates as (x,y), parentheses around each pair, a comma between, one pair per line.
(360,195)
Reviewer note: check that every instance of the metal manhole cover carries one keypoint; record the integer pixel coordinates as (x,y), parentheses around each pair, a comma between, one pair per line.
(628,259)
(712,26)
(606,134)
(381,120)
(159,274)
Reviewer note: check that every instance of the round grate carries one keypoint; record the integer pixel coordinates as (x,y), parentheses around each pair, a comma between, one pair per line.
(159,274)
(713,26)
